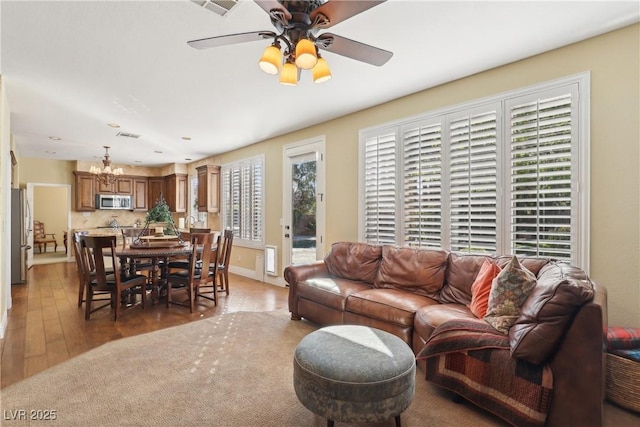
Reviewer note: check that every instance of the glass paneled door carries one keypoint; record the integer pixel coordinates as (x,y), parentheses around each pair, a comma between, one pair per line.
(303,228)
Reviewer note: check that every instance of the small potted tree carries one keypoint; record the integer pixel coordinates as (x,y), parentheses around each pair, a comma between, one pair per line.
(159,216)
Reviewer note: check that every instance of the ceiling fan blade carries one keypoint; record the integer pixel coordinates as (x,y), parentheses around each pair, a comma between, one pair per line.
(230,39)
(353,49)
(337,10)
(269,5)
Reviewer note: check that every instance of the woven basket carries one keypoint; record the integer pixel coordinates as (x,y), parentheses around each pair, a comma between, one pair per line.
(623,382)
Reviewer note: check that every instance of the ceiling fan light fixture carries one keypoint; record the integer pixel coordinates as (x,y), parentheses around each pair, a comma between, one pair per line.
(306,56)
(321,72)
(271,60)
(289,74)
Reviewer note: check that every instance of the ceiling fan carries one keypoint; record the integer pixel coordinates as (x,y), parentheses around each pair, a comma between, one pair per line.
(296,40)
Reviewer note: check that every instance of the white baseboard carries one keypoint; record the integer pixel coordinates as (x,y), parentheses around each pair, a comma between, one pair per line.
(251,274)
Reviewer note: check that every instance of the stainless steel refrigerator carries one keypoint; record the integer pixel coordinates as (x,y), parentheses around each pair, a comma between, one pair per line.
(20,223)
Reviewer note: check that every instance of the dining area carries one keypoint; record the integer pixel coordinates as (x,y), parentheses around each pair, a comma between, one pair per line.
(134,268)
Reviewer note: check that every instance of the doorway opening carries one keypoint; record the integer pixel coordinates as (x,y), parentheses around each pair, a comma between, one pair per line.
(303,213)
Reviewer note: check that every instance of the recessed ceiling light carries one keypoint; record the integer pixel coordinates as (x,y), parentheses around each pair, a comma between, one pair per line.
(113,125)
(55,138)
(137,161)
(188,160)
(186,138)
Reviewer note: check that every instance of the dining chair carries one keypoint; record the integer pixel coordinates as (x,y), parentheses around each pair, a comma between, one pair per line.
(183,263)
(121,287)
(84,265)
(192,277)
(129,236)
(224,256)
(209,288)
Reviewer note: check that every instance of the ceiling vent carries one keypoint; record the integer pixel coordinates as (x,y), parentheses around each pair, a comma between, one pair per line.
(127,135)
(221,7)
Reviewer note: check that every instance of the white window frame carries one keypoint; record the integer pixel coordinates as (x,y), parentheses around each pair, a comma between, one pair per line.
(580,158)
(251,162)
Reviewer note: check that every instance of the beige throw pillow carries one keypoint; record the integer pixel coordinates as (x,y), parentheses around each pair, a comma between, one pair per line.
(509,291)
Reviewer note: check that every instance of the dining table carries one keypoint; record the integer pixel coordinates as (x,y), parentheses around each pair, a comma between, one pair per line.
(159,253)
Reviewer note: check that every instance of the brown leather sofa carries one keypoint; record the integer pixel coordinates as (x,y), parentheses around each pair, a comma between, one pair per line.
(410,292)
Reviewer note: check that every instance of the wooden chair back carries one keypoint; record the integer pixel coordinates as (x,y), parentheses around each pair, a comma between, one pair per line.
(195,276)
(199,230)
(103,248)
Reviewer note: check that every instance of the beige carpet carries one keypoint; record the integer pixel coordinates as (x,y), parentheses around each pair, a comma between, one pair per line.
(230,370)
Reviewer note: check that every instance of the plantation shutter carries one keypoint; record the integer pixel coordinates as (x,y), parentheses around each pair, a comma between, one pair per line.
(422,176)
(256,201)
(242,199)
(541,143)
(380,190)
(473,182)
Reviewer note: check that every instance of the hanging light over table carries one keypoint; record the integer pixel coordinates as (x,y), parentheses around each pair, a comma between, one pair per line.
(106,175)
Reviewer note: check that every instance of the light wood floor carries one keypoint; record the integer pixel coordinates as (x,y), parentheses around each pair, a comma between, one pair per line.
(46,326)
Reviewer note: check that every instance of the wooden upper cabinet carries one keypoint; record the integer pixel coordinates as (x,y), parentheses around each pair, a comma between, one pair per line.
(155,188)
(208,188)
(85,191)
(140,194)
(124,186)
(176,192)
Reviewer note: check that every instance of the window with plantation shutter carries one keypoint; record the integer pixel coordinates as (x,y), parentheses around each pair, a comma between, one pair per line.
(504,175)
(380,168)
(242,200)
(540,169)
(472,182)
(422,184)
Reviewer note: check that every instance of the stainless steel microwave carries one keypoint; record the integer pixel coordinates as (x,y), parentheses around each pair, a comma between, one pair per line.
(113,201)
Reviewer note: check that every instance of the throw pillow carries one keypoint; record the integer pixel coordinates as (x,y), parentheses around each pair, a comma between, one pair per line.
(481,288)
(509,291)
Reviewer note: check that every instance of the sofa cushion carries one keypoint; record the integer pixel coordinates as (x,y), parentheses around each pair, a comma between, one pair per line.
(354,261)
(509,292)
(389,305)
(548,312)
(533,264)
(415,270)
(461,272)
(331,292)
(429,317)
(481,288)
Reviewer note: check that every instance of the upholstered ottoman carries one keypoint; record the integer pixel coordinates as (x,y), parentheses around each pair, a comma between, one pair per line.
(355,374)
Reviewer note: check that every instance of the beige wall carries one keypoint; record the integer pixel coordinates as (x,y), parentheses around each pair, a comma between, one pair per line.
(614,63)
(49,209)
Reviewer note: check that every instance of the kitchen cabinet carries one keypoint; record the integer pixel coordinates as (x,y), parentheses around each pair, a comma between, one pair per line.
(155,189)
(140,186)
(124,186)
(208,188)
(176,192)
(85,191)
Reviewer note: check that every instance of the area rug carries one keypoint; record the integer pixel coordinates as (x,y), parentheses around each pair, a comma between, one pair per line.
(233,369)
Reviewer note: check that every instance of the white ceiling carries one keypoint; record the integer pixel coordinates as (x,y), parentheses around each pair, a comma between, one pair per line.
(72,67)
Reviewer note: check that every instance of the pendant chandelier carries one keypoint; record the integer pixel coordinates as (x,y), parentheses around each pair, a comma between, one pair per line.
(106,175)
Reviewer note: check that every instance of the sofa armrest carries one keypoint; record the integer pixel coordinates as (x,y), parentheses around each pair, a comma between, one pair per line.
(579,367)
(295,274)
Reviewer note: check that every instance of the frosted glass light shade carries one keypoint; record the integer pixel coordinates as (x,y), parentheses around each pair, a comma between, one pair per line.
(289,74)
(306,56)
(271,60)
(321,72)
